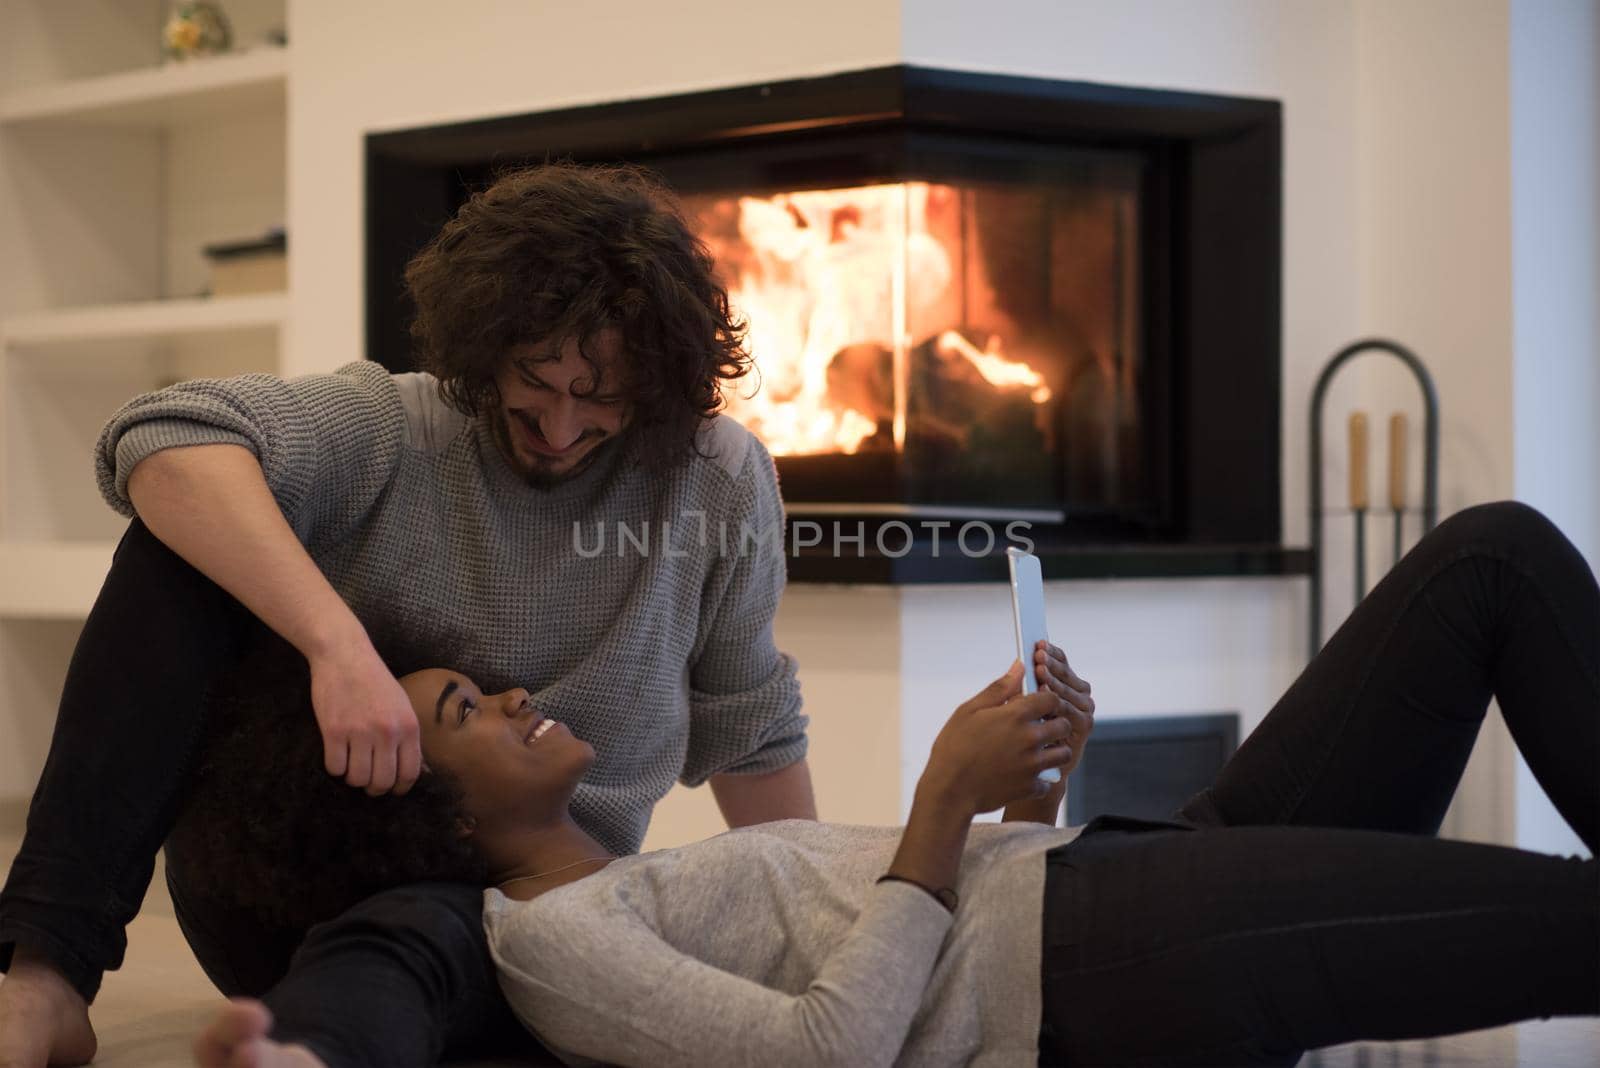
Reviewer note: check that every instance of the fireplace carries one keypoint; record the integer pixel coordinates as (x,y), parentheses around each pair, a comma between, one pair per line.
(948,343)
(971,298)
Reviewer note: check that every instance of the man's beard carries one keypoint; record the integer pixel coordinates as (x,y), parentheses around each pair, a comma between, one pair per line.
(535,477)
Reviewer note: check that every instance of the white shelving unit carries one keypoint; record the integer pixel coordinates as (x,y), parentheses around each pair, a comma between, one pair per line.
(115,170)
(169,96)
(144,320)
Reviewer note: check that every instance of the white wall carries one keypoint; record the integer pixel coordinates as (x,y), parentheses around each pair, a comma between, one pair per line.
(1555,212)
(1555,176)
(1434,220)
(1435,259)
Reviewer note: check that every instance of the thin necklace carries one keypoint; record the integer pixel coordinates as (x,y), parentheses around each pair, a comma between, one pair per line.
(553,871)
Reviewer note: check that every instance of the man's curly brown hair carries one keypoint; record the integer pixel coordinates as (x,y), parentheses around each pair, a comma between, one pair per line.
(267,830)
(559,252)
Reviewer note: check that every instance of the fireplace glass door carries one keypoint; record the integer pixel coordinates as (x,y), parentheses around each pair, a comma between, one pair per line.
(966,342)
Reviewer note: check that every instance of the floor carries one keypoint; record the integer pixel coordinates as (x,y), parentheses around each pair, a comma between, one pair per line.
(148,1010)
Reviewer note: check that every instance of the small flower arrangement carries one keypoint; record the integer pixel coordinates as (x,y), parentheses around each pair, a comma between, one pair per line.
(196,29)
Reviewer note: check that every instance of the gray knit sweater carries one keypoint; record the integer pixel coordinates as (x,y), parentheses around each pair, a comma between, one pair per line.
(652,641)
(773,946)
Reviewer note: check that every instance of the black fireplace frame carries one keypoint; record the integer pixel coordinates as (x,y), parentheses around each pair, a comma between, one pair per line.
(1148,766)
(1216,193)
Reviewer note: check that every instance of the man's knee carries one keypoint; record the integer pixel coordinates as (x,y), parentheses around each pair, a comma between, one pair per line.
(145,573)
(139,547)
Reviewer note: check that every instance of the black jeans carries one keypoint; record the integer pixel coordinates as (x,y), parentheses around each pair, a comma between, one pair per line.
(1299,901)
(402,979)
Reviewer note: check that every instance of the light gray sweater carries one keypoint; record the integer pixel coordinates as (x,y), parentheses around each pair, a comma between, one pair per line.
(661,657)
(773,946)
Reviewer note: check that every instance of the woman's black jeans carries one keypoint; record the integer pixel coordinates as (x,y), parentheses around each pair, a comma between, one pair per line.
(402,979)
(1301,901)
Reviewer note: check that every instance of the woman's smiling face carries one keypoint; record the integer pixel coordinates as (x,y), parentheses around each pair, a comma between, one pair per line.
(514,764)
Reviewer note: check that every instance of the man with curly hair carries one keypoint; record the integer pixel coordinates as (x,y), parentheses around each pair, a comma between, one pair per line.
(575,344)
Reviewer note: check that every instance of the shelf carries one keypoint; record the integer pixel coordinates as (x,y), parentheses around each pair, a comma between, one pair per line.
(52,580)
(146,319)
(923,565)
(163,96)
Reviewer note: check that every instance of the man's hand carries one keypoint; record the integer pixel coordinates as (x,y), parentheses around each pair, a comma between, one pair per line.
(370,735)
(1053,672)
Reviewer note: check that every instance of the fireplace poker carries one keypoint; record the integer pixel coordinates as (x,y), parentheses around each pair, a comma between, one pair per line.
(1358,496)
(1397,475)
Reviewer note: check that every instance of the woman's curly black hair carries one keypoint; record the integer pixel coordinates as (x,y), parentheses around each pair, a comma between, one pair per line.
(560,252)
(267,830)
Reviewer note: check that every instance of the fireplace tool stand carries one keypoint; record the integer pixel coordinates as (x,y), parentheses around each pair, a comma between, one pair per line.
(1358,469)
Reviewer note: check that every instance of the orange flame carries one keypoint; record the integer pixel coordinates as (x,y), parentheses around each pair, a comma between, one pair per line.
(817,272)
(994,367)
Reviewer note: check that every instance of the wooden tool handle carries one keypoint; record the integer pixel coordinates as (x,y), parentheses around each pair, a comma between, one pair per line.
(1397,461)
(1358,460)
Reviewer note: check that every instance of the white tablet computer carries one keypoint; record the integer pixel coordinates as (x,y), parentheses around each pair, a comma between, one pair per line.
(1027,609)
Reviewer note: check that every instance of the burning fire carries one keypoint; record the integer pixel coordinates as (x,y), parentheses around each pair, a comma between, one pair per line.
(840,287)
(994,367)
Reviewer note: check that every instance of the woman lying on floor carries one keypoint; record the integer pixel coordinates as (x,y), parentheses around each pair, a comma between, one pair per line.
(1300,901)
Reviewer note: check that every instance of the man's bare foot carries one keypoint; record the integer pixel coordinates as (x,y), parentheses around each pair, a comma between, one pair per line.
(43,1020)
(237,1038)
